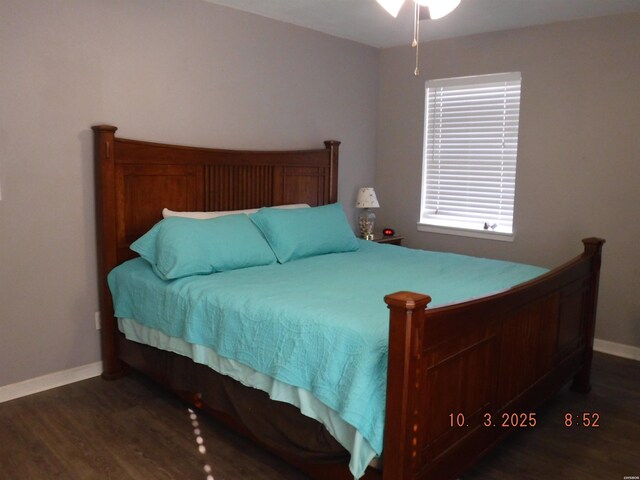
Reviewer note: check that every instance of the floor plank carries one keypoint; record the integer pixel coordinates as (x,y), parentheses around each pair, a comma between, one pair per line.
(133,429)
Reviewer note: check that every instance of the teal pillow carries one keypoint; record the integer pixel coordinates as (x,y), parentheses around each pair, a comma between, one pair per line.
(179,247)
(306,232)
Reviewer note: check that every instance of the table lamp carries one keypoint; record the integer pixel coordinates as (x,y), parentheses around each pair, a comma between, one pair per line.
(366,219)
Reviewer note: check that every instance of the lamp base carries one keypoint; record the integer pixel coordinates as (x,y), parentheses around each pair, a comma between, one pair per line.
(366,220)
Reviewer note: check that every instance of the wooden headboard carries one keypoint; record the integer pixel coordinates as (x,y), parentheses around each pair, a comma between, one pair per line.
(136,180)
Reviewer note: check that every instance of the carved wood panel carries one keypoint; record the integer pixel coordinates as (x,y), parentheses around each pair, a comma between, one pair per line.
(462,383)
(301,185)
(143,190)
(571,322)
(527,346)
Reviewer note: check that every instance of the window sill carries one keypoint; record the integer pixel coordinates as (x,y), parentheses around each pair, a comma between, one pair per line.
(465,232)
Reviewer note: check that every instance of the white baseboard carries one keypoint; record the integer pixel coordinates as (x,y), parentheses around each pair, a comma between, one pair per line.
(617,349)
(52,380)
(57,379)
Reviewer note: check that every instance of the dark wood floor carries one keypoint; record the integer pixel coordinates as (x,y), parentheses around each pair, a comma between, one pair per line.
(132,429)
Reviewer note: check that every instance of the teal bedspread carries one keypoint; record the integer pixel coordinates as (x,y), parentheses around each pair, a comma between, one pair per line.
(318,323)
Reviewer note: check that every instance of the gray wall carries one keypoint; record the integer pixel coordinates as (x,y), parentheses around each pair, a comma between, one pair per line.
(189,72)
(180,71)
(578,157)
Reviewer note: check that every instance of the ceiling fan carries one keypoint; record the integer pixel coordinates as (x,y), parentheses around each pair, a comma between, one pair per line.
(433,9)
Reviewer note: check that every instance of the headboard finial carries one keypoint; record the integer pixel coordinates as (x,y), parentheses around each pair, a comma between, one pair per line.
(104,128)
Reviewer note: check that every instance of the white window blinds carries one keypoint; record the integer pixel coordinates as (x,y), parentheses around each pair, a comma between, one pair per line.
(470,152)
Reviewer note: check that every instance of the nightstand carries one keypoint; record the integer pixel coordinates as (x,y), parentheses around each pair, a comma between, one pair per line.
(393,240)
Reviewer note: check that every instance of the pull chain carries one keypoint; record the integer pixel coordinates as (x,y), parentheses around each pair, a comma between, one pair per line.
(416,35)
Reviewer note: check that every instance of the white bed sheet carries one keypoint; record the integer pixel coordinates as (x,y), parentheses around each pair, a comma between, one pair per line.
(361,452)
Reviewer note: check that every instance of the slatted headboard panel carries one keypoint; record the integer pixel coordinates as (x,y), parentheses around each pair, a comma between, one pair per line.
(136,180)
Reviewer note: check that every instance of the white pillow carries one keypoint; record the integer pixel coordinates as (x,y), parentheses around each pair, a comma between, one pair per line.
(166,213)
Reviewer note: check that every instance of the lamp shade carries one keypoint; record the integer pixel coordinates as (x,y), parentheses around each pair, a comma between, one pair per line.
(367,198)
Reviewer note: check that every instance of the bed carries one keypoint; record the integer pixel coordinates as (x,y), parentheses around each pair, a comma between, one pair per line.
(500,355)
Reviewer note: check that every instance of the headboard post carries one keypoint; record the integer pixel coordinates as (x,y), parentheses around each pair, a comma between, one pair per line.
(104,137)
(333,146)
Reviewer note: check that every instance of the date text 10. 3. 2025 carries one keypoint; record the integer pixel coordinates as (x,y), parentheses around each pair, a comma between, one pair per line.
(523,420)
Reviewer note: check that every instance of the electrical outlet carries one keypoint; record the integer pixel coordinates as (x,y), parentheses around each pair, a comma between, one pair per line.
(98,320)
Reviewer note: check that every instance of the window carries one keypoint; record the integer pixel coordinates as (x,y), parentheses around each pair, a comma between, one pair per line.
(470,153)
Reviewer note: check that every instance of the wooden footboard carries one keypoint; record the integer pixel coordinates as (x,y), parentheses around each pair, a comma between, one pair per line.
(461,377)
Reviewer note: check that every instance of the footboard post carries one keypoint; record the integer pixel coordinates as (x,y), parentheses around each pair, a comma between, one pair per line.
(592,248)
(405,328)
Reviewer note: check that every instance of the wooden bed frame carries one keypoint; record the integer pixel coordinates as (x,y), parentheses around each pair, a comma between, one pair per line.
(501,355)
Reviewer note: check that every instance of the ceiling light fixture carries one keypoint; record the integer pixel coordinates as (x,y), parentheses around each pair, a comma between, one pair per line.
(435,9)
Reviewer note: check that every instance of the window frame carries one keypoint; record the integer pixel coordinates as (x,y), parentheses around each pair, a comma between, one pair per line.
(452,227)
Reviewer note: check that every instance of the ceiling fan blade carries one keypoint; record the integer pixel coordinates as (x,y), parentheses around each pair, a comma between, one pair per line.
(424,13)
(391,6)
(429,9)
(435,9)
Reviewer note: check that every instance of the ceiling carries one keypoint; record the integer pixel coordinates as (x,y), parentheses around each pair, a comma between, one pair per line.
(365,21)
